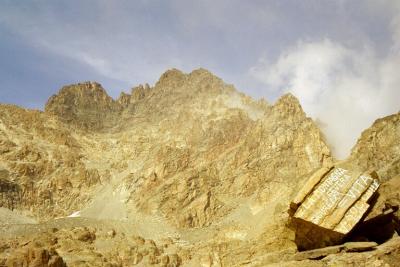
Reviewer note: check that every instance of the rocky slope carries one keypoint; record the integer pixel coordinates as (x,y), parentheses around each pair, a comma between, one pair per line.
(190,160)
(379,147)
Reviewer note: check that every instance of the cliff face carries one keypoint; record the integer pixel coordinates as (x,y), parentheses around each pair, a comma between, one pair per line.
(379,147)
(191,144)
(44,160)
(190,159)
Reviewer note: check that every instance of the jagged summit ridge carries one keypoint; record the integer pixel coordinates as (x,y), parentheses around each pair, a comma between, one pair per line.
(288,104)
(71,95)
(172,130)
(87,104)
(174,78)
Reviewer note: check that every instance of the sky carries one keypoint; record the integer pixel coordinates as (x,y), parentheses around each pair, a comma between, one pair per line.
(340,58)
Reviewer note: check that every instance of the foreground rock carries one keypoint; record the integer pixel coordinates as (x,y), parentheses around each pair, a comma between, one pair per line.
(379,148)
(33,256)
(330,205)
(82,246)
(347,247)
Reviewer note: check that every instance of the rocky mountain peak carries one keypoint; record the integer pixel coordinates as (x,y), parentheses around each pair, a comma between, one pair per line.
(202,74)
(379,147)
(124,99)
(290,102)
(197,81)
(88,104)
(137,93)
(81,94)
(176,74)
(171,78)
(85,104)
(288,106)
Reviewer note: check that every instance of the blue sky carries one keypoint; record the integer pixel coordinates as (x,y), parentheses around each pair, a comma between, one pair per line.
(337,57)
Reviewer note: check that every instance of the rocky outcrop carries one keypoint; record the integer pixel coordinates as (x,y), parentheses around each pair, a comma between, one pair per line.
(83,246)
(138,93)
(346,247)
(378,147)
(32,256)
(44,165)
(330,205)
(10,193)
(85,105)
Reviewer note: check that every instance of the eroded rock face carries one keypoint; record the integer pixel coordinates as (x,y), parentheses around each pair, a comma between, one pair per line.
(10,194)
(379,148)
(78,247)
(45,162)
(34,256)
(347,247)
(86,105)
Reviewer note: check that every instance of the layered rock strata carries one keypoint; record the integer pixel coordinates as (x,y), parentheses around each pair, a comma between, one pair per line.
(330,205)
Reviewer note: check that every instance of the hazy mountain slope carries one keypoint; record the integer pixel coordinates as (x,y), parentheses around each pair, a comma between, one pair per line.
(43,158)
(379,147)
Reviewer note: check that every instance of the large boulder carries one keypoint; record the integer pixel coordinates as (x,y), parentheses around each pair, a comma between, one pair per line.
(330,204)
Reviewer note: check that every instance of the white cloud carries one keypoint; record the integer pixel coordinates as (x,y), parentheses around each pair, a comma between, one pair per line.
(345,88)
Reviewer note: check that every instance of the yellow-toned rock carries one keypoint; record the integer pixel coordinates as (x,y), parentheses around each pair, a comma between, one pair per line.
(330,205)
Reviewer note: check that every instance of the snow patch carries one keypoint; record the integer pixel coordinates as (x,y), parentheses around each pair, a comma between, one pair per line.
(75,214)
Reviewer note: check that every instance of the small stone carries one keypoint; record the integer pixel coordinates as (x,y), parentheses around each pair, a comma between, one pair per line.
(359,246)
(112,233)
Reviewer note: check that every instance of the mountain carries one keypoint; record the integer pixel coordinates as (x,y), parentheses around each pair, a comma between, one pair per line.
(379,146)
(187,172)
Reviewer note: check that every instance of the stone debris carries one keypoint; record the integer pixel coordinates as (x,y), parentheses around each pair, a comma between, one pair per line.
(65,247)
(346,247)
(330,205)
(33,256)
